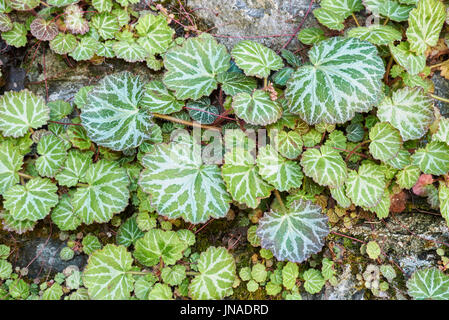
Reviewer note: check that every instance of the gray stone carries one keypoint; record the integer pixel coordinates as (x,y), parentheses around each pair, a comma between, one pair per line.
(409,239)
(441,89)
(46,257)
(239,19)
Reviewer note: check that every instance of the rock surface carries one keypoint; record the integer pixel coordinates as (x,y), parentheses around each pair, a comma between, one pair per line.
(48,260)
(240,19)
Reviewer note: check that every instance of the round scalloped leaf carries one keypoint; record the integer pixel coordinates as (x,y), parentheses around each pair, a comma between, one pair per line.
(20,227)
(257,108)
(389,8)
(311,35)
(296,234)
(343,8)
(155,36)
(353,71)
(288,144)
(329,19)
(53,152)
(173,276)
(113,115)
(430,283)
(106,49)
(242,178)
(433,159)
(10,164)
(17,36)
(44,30)
(23,5)
(424,25)
(64,216)
(409,60)
(366,187)
(203,111)
(325,166)
(409,110)
(255,59)
(106,192)
(407,177)
(106,25)
(192,68)
(233,83)
(313,281)
(102,5)
(32,201)
(20,111)
(180,185)
(281,173)
(106,275)
(5,23)
(130,51)
(59,109)
(85,49)
(385,141)
(159,99)
(75,167)
(382,209)
(129,232)
(442,134)
(156,245)
(217,274)
(63,43)
(376,34)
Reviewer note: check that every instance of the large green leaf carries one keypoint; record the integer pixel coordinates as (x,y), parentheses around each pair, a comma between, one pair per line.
(242,178)
(17,36)
(31,201)
(155,35)
(256,108)
(10,163)
(329,19)
(113,115)
(192,68)
(325,166)
(20,111)
(366,187)
(217,274)
(344,78)
(385,141)
(156,245)
(430,283)
(53,152)
(424,25)
(106,275)
(296,234)
(105,194)
(283,174)
(255,59)
(180,185)
(409,110)
(433,159)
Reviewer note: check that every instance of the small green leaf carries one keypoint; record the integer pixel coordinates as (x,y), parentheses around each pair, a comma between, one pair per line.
(20,111)
(217,274)
(314,281)
(256,108)
(234,83)
(385,141)
(373,250)
(129,232)
(376,34)
(158,99)
(433,159)
(53,153)
(255,59)
(106,275)
(366,187)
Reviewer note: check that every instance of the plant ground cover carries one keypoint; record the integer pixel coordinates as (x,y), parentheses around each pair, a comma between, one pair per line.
(219,172)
